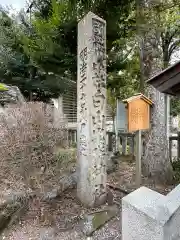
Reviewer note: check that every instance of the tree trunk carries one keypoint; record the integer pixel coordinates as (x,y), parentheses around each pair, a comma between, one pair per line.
(140,40)
(155,159)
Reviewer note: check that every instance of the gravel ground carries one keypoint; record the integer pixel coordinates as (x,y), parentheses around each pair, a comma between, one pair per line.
(59,219)
(61,222)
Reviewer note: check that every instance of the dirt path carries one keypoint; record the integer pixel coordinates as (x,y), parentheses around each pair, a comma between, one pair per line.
(60,221)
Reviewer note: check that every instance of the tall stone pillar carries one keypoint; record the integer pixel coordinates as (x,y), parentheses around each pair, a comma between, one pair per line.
(91,111)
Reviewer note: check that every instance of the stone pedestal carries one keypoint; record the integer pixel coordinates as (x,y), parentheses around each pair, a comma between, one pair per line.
(91,112)
(148,215)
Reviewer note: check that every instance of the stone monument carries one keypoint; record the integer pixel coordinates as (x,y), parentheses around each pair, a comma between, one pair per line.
(91,110)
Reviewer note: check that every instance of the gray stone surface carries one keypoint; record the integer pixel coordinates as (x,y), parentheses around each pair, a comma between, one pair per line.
(66,182)
(12,95)
(91,110)
(149,215)
(47,234)
(112,163)
(92,222)
(69,181)
(13,207)
(51,194)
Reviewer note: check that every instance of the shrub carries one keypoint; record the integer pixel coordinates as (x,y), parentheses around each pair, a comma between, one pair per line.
(176,169)
(28,138)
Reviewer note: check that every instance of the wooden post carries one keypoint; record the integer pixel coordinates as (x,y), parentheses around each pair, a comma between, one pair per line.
(178,146)
(75,136)
(124,145)
(131,146)
(117,142)
(110,141)
(138,158)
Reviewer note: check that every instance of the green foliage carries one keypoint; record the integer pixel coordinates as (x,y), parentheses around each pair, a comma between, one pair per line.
(175,106)
(46,45)
(111,101)
(170,33)
(176,169)
(169,30)
(53,42)
(16,67)
(66,158)
(49,45)
(41,56)
(3,88)
(125,82)
(161,20)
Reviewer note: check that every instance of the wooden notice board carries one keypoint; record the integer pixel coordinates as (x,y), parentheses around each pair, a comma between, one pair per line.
(138,112)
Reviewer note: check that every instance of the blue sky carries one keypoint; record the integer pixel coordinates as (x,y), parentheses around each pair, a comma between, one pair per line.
(16,4)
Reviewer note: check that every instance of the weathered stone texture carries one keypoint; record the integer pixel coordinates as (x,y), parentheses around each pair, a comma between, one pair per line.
(91,113)
(149,215)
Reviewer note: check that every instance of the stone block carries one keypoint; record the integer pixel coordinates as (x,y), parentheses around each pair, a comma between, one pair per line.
(149,215)
(94,221)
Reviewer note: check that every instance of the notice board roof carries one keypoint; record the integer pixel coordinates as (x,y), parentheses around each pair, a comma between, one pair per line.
(138,96)
(167,81)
